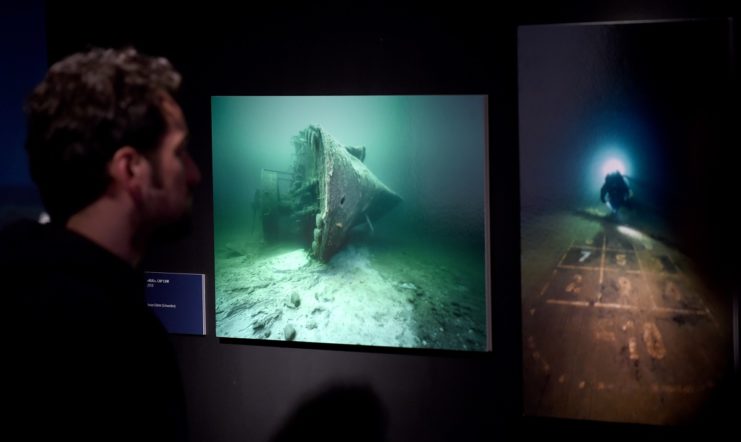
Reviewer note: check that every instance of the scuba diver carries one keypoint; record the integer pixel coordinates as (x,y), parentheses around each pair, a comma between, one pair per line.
(615,192)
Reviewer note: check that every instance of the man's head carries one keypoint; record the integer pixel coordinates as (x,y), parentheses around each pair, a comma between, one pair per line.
(104,107)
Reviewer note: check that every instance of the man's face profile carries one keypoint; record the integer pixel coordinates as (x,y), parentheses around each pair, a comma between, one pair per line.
(168,196)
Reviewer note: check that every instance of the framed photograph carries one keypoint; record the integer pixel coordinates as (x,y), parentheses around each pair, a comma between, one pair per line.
(621,131)
(356,220)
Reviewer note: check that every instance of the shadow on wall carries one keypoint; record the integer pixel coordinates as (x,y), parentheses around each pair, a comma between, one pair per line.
(340,413)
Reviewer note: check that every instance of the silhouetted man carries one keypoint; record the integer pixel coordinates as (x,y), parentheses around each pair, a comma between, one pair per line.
(85,359)
(615,192)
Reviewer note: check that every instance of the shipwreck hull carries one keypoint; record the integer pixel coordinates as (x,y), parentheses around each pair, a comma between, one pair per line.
(347,192)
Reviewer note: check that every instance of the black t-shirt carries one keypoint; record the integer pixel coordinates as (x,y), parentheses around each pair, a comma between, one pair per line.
(84,356)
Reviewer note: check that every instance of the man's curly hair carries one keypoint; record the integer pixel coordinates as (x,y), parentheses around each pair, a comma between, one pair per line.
(88,106)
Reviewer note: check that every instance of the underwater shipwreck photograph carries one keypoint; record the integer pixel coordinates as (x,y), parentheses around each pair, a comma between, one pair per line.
(625,314)
(356,220)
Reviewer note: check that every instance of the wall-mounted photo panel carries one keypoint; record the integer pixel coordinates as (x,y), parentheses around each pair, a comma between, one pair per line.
(358,220)
(621,133)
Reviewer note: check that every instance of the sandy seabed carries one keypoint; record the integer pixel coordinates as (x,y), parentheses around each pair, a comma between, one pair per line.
(389,299)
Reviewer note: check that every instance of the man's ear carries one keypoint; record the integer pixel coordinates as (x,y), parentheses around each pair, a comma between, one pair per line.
(127,169)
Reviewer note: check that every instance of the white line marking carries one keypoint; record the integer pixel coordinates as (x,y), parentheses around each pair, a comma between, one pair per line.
(602,260)
(572,303)
(681,311)
(573,267)
(610,305)
(616,306)
(596,304)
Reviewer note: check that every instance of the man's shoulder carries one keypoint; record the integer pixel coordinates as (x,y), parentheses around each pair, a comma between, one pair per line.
(54,244)
(30,245)
(49,265)
(30,264)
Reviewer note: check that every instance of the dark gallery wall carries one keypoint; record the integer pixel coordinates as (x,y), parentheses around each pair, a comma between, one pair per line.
(247,391)
(23,51)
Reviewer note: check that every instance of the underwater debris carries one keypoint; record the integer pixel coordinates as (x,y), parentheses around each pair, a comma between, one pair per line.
(289,333)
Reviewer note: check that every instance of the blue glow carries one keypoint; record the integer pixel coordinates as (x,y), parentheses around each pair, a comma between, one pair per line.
(612,165)
(608,159)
